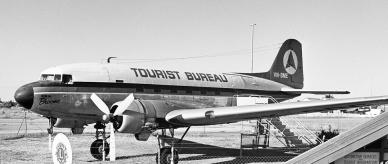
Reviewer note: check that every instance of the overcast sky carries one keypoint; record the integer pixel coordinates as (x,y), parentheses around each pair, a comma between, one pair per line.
(345,43)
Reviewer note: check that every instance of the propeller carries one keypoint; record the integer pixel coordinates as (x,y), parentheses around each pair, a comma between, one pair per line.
(122,106)
(110,117)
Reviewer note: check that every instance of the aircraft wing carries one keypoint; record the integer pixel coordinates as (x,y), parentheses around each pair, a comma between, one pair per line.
(300,91)
(220,115)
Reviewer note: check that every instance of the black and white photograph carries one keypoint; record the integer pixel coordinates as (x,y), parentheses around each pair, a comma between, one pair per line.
(193,81)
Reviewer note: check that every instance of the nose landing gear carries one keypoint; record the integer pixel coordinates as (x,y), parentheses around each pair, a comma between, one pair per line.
(98,148)
(50,131)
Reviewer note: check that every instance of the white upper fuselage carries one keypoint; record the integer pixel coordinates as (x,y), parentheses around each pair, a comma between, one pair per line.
(117,73)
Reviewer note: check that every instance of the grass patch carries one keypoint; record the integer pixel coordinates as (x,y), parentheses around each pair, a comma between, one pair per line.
(17,113)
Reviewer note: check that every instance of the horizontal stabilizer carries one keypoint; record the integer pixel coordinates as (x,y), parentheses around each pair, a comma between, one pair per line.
(300,91)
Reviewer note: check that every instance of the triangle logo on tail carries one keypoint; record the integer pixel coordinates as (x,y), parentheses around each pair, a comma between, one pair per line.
(290,62)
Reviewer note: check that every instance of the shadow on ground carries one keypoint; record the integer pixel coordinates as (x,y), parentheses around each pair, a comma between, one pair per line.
(203,151)
(127,157)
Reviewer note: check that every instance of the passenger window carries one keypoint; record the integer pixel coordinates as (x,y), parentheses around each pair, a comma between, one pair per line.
(203,92)
(67,79)
(139,89)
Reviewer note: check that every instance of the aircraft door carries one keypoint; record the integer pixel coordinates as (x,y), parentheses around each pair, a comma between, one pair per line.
(251,100)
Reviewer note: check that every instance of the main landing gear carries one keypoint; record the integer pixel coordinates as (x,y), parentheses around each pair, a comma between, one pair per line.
(100,147)
(165,152)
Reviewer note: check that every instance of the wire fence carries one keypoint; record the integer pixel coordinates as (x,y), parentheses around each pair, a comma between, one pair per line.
(216,144)
(28,140)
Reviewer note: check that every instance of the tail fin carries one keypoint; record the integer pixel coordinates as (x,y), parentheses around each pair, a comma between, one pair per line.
(287,67)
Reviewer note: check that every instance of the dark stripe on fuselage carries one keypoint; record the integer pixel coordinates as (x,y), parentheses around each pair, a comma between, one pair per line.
(72,101)
(104,87)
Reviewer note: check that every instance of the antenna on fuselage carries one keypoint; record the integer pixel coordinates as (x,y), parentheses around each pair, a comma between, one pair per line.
(108,60)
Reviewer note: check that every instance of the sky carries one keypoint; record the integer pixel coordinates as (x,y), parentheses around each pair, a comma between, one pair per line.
(344,42)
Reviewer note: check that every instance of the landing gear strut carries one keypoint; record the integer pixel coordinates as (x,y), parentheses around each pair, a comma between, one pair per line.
(50,131)
(168,154)
(100,147)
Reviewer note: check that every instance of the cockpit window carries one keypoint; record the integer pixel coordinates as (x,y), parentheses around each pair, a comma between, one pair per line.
(57,77)
(47,77)
(65,78)
(43,77)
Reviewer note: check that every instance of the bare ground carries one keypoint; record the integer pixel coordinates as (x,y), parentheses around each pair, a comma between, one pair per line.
(211,144)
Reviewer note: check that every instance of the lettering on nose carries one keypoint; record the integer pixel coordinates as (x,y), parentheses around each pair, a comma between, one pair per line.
(47,99)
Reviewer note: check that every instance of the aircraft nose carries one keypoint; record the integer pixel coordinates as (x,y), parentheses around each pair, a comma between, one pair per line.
(25,96)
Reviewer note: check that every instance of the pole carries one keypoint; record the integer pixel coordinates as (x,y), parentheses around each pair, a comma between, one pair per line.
(253,32)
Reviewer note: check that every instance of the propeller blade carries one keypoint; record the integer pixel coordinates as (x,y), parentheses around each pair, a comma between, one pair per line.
(100,104)
(112,154)
(124,105)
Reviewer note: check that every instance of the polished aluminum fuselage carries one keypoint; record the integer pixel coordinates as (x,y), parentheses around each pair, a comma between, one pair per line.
(112,83)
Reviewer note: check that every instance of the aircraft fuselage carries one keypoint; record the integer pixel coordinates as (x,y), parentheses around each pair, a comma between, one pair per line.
(70,99)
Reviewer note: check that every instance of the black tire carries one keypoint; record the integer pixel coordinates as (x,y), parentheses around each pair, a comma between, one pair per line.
(165,153)
(96,149)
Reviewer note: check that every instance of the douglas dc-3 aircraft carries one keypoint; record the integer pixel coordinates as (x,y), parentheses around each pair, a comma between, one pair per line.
(140,100)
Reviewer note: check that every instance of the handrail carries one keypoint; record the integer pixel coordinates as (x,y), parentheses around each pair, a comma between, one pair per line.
(277,137)
(298,131)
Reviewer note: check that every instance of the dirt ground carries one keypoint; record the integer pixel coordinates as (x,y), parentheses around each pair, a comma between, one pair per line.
(210,144)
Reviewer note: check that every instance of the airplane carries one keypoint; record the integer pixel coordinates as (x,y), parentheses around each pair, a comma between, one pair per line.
(140,100)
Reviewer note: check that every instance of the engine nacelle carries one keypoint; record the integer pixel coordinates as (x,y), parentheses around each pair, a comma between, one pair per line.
(140,117)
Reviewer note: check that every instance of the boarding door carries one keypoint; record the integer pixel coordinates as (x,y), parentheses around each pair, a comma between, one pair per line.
(251,100)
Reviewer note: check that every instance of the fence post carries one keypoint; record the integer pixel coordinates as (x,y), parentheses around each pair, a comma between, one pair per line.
(241,135)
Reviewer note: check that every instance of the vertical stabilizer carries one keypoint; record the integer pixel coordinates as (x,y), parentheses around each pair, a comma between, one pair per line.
(287,67)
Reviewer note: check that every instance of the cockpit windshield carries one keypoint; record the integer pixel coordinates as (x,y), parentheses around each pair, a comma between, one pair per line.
(66,79)
(49,77)
(57,77)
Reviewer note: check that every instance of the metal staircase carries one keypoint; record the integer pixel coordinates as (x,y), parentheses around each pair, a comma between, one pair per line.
(306,135)
(295,137)
(291,139)
(298,136)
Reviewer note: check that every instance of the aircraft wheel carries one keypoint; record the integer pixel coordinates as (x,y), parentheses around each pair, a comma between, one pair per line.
(165,154)
(96,149)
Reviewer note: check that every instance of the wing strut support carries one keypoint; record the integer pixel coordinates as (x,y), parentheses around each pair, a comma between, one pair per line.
(184,134)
